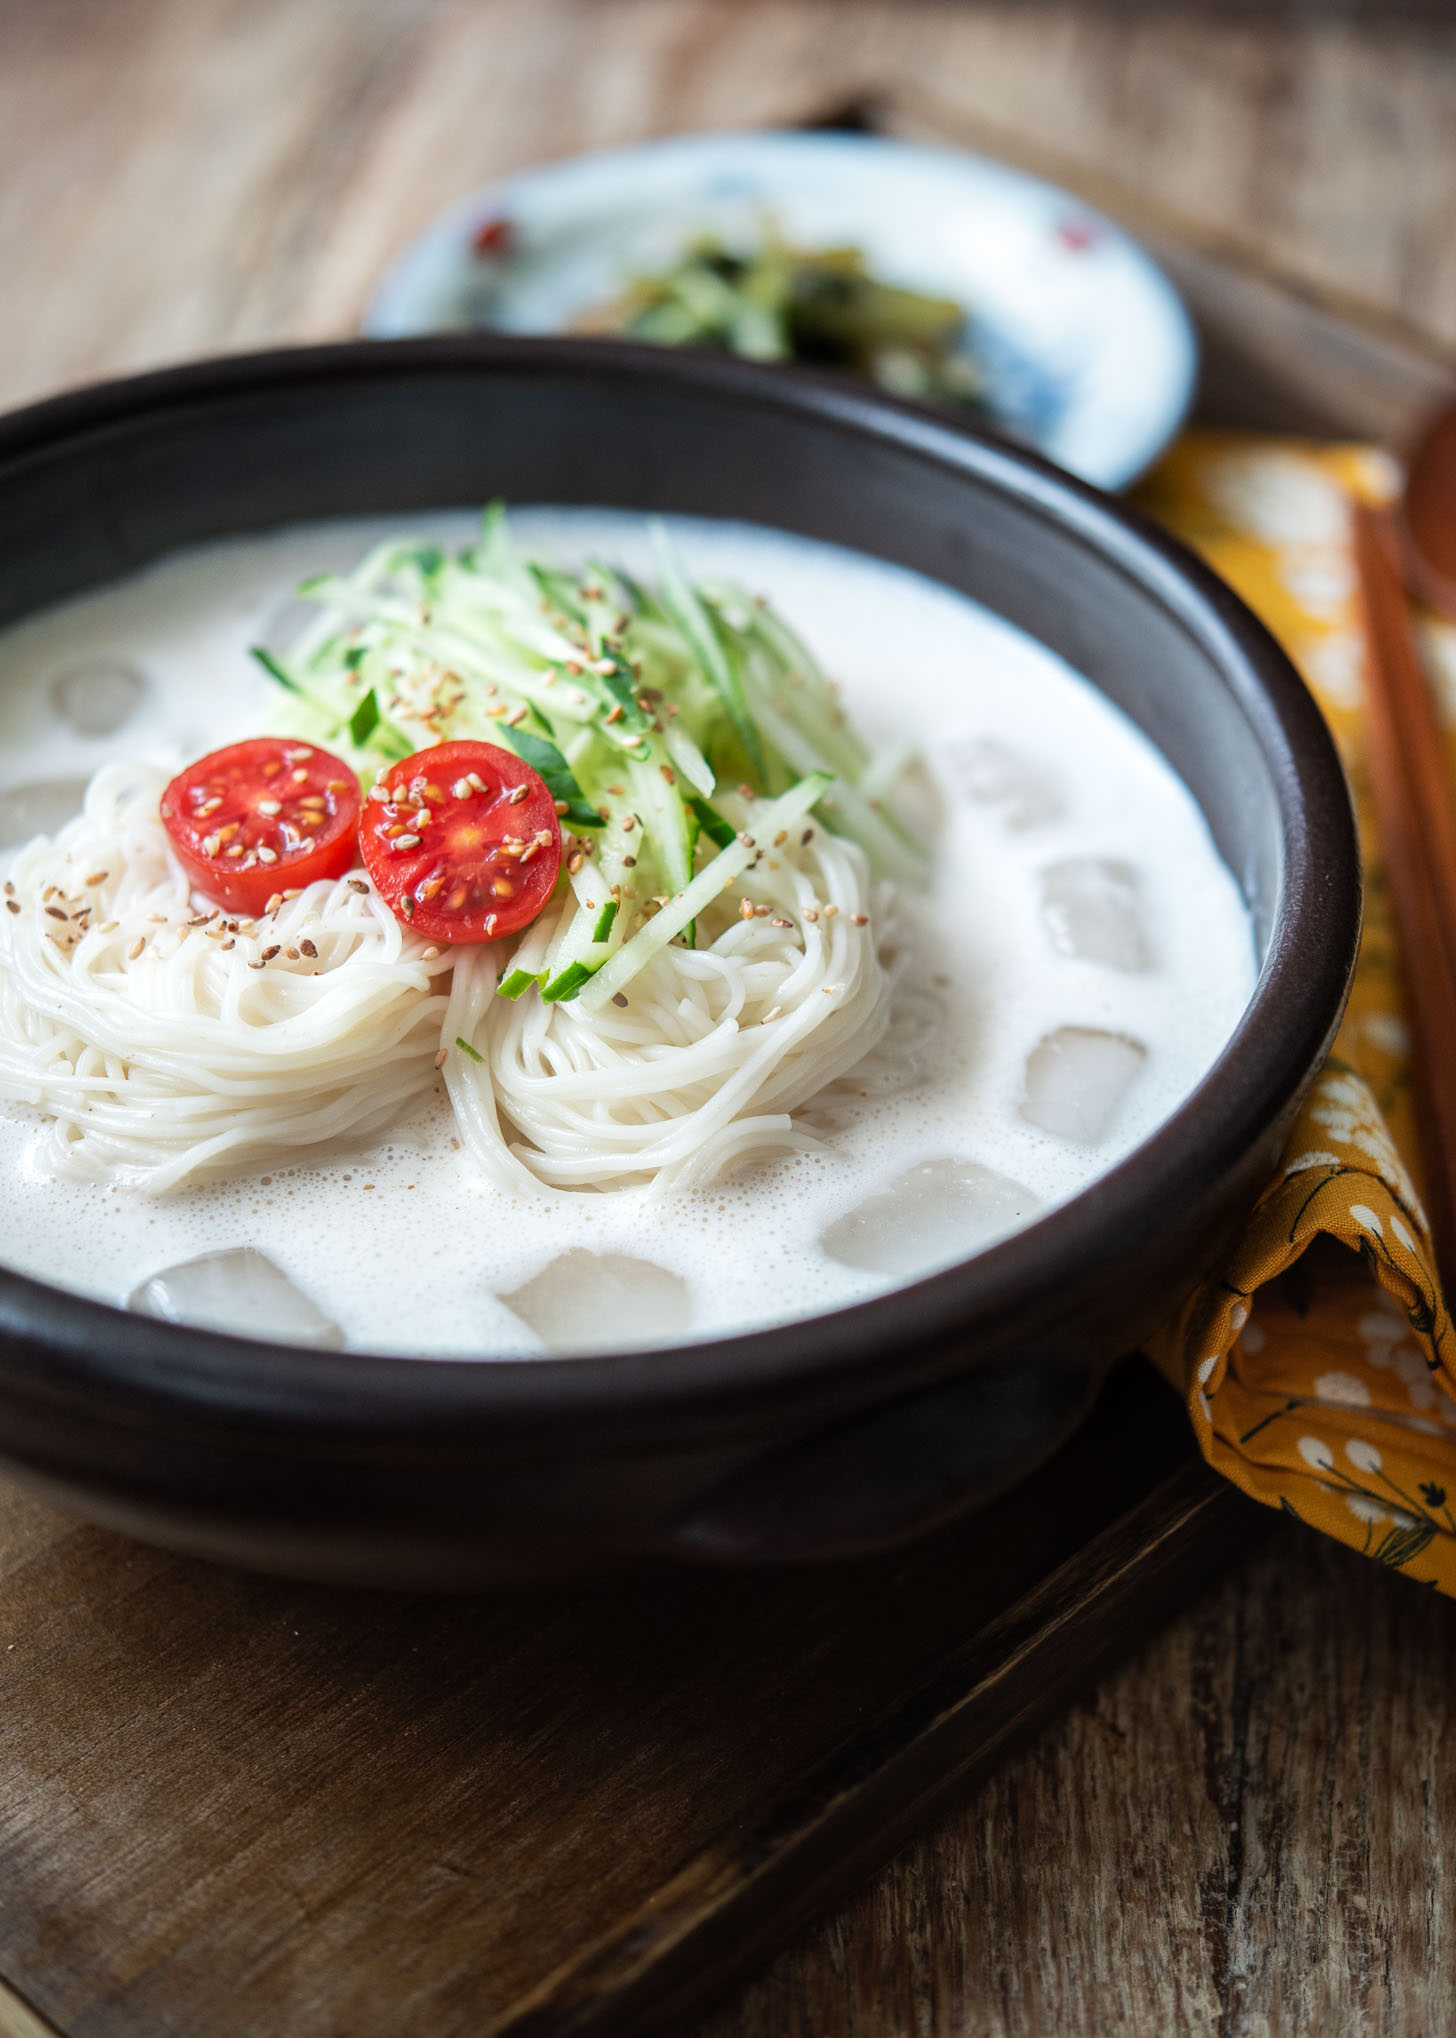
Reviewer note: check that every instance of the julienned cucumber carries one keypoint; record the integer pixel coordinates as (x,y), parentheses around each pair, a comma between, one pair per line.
(712,879)
(634,702)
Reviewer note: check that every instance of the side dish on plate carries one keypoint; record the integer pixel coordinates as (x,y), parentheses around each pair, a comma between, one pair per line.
(939,274)
(761,296)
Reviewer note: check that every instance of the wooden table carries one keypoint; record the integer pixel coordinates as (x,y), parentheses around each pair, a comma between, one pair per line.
(1249,1828)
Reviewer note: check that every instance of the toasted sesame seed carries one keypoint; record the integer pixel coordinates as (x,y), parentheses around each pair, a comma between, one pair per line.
(574,862)
(55,913)
(515,718)
(518,793)
(830,910)
(747,840)
(441,1058)
(776,1012)
(745,909)
(629,823)
(255,965)
(745,791)
(406,841)
(629,863)
(309,950)
(668,773)
(230,943)
(760,912)
(357,884)
(274,902)
(806,838)
(619,998)
(97,877)
(829,989)
(781,838)
(429,955)
(292,892)
(780,921)
(291,954)
(811,916)
(12,905)
(860,919)
(269,953)
(136,948)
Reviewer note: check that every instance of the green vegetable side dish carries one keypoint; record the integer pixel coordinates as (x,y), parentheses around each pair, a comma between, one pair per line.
(642,708)
(778,302)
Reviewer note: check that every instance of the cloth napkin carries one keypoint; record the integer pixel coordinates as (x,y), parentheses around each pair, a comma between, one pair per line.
(1317,1360)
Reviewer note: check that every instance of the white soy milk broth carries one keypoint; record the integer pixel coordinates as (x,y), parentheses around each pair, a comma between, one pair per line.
(401,1244)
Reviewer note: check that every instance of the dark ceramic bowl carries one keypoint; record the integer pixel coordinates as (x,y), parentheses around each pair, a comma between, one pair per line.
(824,1436)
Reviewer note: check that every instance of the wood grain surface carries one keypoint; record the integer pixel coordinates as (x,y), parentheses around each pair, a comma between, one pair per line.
(1249,1829)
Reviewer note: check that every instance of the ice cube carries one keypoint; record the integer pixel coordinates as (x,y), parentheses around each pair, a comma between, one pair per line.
(590,1302)
(1027,793)
(1092,908)
(39,808)
(1076,1079)
(239,1291)
(97,697)
(929,1216)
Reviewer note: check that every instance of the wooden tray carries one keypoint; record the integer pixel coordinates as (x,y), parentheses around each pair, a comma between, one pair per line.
(231,1806)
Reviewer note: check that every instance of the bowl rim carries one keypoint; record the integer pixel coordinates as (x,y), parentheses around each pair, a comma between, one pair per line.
(59,1346)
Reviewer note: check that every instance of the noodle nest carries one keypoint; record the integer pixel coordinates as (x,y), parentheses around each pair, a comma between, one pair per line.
(166,1041)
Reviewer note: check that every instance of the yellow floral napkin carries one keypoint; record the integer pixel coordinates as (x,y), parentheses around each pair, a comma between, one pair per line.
(1318,1361)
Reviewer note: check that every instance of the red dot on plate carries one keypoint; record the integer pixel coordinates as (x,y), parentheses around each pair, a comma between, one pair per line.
(492,237)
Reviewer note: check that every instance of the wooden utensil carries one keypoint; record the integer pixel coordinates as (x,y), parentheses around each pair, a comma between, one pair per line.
(1418,823)
(1427,516)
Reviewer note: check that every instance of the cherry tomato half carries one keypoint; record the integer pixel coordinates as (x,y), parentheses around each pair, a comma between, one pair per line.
(462,842)
(260,816)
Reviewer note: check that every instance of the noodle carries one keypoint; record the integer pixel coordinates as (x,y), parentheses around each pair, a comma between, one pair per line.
(158,1039)
(702,1069)
(168,1044)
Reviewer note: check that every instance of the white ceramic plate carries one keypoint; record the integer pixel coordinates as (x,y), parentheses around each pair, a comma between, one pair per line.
(1088,352)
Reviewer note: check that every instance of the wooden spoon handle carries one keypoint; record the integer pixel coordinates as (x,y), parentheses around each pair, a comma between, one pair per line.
(1418,823)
